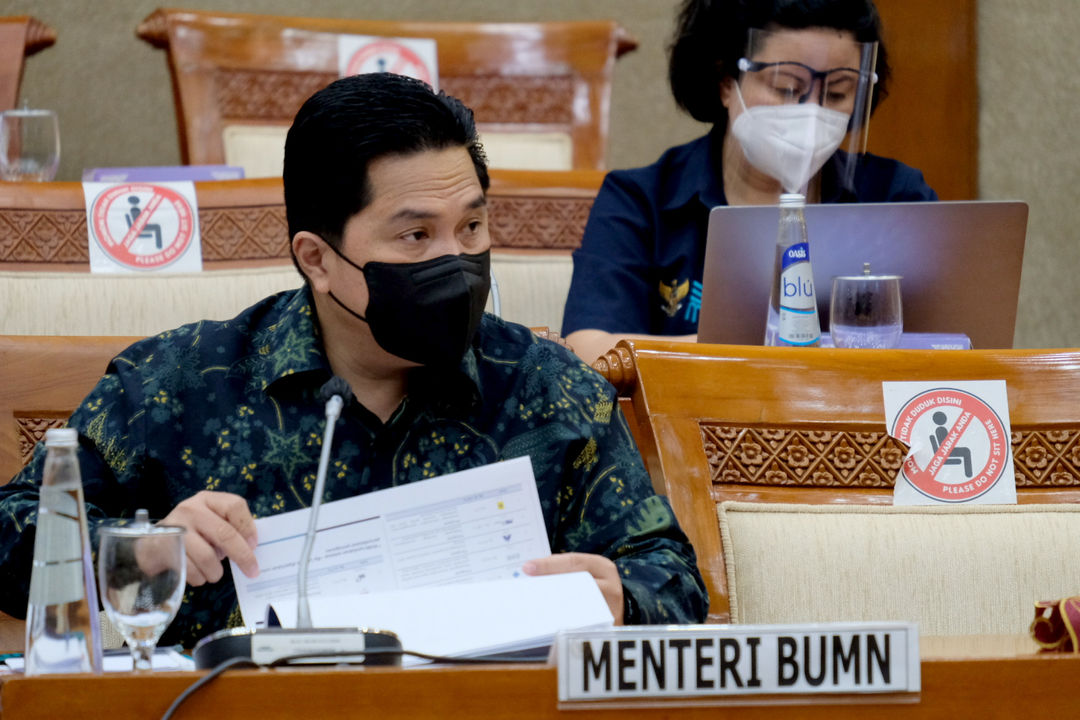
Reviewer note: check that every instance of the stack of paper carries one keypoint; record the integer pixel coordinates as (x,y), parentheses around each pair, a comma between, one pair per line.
(438,562)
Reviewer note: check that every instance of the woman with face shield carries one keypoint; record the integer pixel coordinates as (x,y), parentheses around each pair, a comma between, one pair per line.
(789,87)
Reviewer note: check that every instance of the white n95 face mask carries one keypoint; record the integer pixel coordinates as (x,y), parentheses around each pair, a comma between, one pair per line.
(789,142)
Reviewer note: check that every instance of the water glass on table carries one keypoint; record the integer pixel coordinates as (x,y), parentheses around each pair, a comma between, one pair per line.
(865,311)
(29,145)
(141,573)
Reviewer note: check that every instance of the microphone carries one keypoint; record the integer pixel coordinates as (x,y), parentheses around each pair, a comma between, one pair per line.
(496,306)
(269,646)
(336,394)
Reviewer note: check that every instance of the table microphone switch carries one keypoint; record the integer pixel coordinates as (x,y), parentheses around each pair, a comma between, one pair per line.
(267,646)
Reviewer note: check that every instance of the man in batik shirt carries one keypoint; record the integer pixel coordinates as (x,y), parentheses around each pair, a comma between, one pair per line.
(215,423)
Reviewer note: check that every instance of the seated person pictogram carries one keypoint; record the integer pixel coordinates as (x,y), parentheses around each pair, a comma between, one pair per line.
(958,454)
(150,230)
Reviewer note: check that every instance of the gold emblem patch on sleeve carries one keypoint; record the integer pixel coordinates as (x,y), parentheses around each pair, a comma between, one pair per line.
(672,296)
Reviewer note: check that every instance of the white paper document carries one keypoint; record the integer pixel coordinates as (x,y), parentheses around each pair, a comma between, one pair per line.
(485,618)
(377,557)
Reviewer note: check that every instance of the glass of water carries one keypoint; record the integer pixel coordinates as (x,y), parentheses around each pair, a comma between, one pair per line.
(141,573)
(865,311)
(29,145)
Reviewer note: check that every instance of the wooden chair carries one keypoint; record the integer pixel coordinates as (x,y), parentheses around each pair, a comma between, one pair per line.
(43,225)
(42,381)
(242,223)
(720,423)
(19,37)
(537,219)
(235,77)
(44,258)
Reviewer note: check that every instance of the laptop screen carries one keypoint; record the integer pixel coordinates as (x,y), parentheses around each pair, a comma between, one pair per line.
(960,263)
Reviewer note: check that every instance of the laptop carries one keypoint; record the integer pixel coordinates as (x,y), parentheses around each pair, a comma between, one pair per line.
(960,263)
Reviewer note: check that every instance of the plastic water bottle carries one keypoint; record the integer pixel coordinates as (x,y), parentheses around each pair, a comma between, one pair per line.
(62,630)
(793,315)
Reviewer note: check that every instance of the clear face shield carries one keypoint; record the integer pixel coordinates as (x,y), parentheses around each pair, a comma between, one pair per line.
(801,96)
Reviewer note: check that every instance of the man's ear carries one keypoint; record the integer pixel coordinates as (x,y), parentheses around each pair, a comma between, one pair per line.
(312,253)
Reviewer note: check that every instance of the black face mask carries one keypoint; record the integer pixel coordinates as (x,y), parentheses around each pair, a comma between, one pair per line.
(426,312)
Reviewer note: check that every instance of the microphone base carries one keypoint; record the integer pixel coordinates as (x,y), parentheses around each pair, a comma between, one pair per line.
(311,646)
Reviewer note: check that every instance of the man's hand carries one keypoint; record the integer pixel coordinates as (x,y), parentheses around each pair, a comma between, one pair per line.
(603,571)
(219,525)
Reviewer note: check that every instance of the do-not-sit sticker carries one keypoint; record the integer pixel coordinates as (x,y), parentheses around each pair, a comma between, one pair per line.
(959,438)
(143,227)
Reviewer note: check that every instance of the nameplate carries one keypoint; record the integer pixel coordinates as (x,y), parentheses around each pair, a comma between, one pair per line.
(737,660)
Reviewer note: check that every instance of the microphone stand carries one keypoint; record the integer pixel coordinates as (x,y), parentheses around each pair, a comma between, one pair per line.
(333,411)
(272,645)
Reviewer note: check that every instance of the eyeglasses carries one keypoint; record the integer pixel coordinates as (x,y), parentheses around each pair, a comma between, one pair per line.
(794,82)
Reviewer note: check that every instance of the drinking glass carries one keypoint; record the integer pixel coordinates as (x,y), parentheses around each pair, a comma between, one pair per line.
(141,571)
(29,145)
(865,311)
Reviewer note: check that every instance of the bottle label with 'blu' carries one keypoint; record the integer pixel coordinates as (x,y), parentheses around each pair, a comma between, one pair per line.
(798,322)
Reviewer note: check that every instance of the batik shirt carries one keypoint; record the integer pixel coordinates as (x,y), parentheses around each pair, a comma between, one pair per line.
(234,406)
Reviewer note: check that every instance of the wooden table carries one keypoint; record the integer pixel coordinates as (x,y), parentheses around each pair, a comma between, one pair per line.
(961,677)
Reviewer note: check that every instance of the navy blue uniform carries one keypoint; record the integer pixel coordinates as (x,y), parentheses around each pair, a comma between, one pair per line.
(640,265)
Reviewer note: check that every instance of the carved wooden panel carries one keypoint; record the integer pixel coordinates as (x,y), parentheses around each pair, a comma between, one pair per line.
(261,232)
(276,95)
(789,457)
(235,233)
(30,430)
(244,233)
(265,94)
(43,235)
(550,223)
(768,456)
(1046,458)
(515,99)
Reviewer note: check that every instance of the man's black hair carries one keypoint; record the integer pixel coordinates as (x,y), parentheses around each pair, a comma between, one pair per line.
(353,121)
(711,36)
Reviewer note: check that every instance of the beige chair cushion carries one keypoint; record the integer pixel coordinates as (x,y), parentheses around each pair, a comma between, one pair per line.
(40,303)
(515,150)
(954,570)
(532,288)
(260,149)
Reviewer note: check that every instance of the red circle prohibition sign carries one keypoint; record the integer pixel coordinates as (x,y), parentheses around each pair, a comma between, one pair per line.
(119,239)
(401,60)
(971,449)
